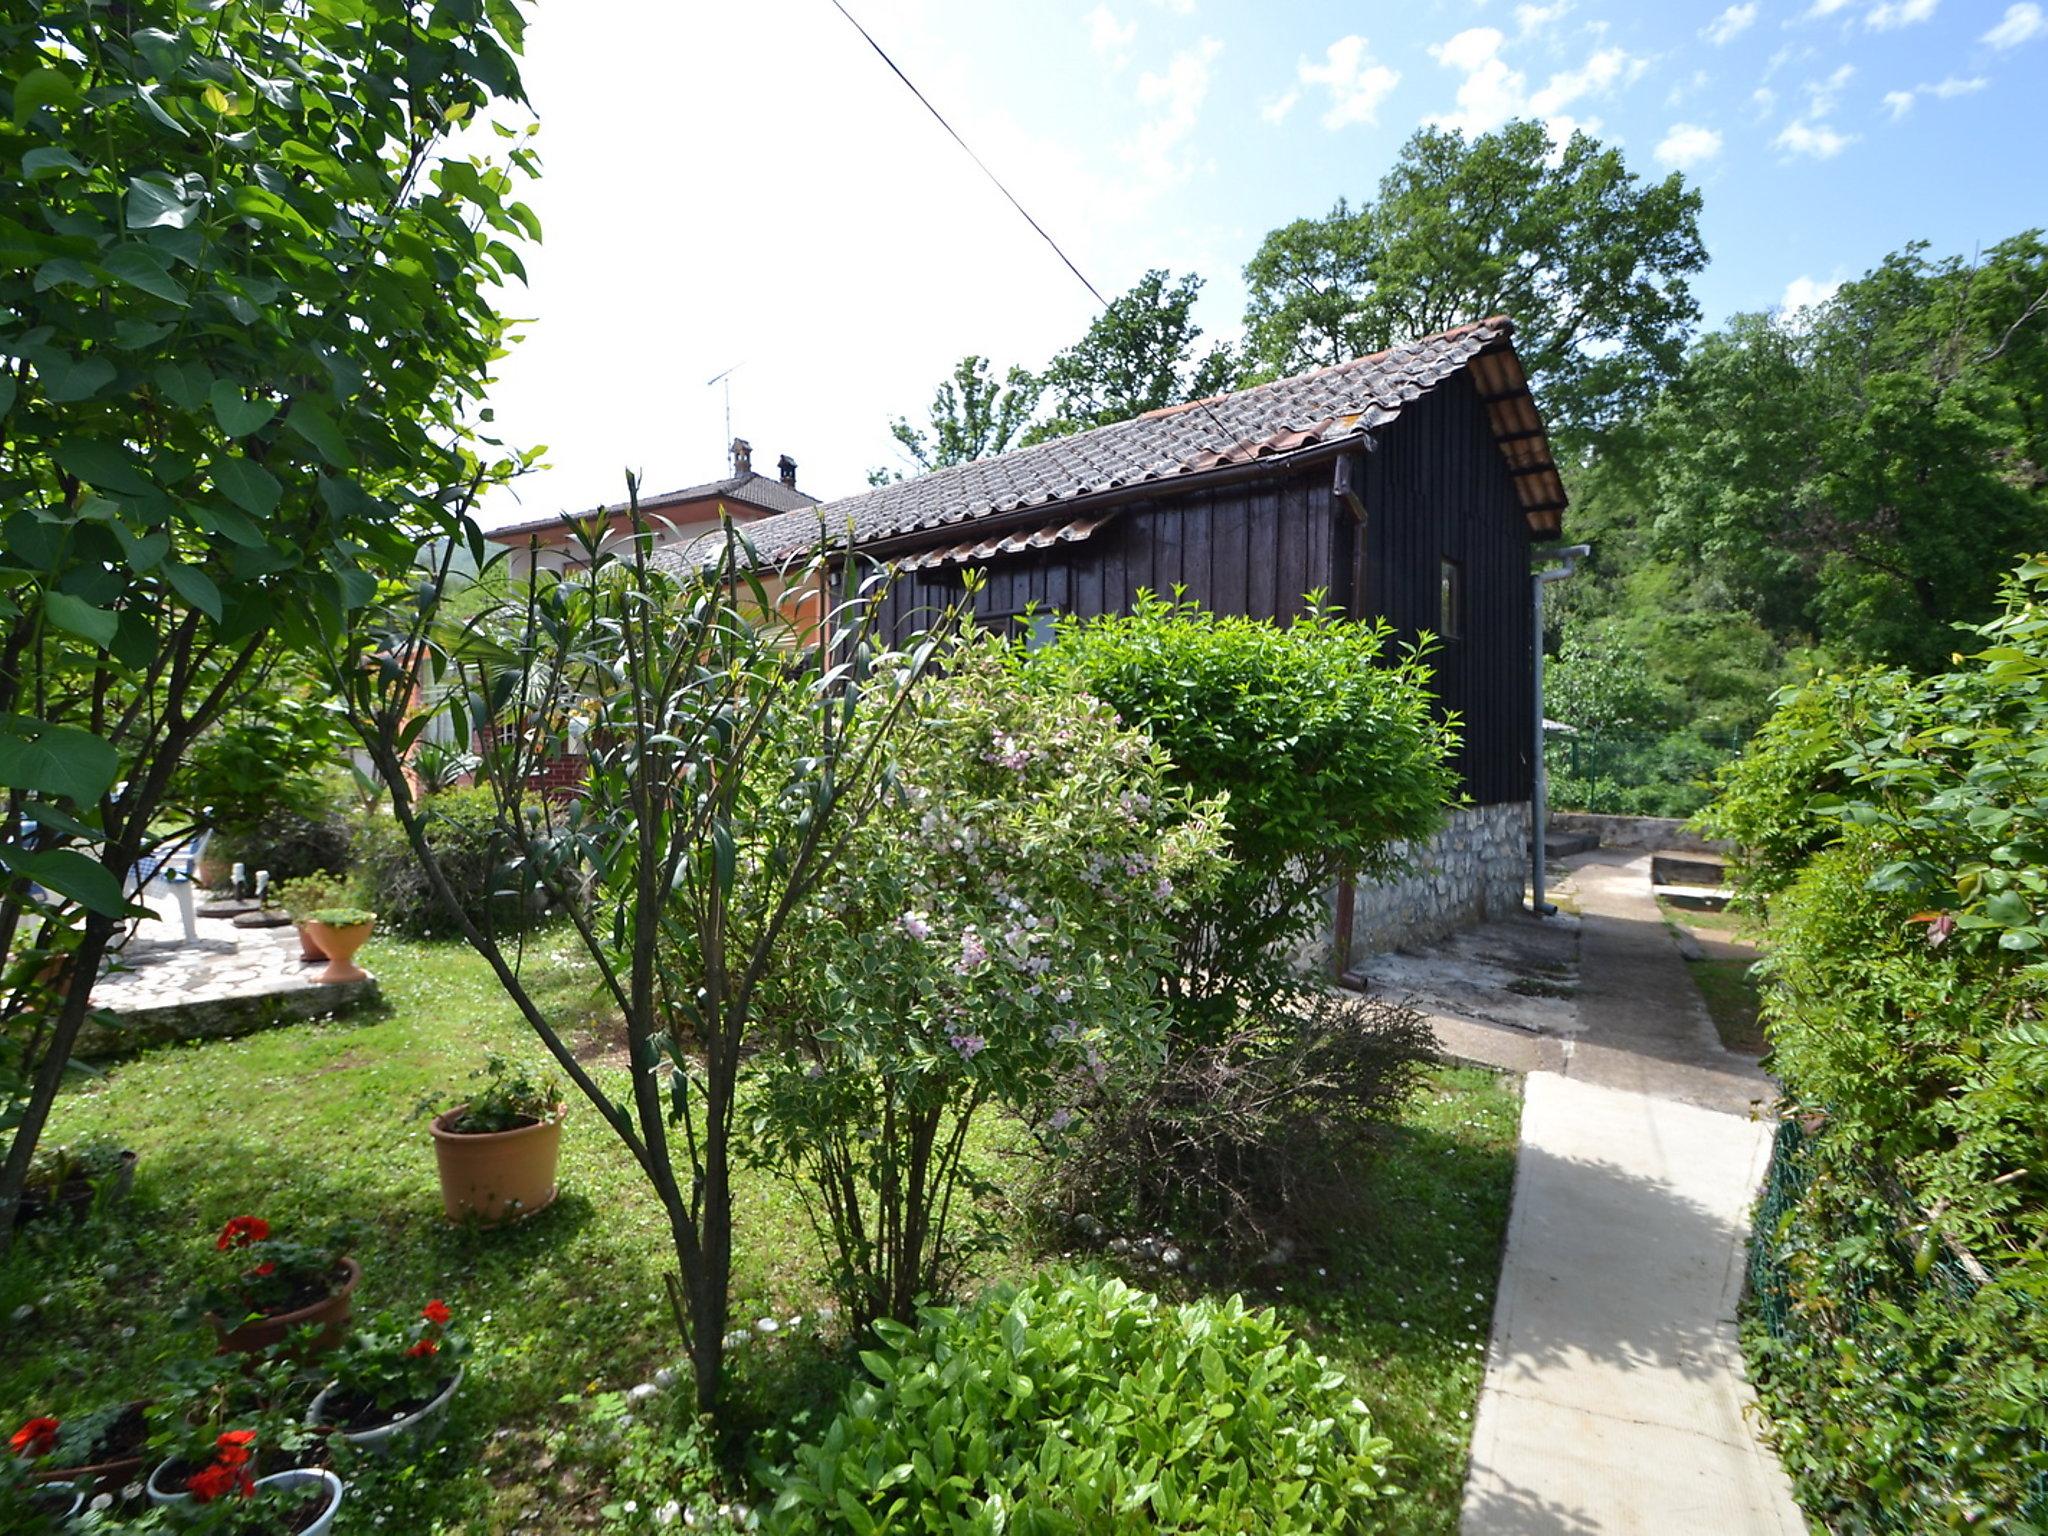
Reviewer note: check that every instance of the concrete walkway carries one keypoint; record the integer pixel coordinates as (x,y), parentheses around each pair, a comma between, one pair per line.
(1615,1402)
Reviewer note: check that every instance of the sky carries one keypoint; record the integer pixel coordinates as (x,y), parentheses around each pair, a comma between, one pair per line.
(747,187)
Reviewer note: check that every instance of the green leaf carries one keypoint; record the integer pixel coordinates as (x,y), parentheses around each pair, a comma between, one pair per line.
(313,423)
(56,760)
(195,586)
(70,873)
(7,391)
(49,161)
(248,485)
(153,204)
(66,379)
(104,465)
(238,417)
(140,267)
(186,384)
(80,617)
(41,88)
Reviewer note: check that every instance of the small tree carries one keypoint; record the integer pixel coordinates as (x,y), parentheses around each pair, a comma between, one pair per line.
(729,763)
(1325,743)
(244,319)
(1002,923)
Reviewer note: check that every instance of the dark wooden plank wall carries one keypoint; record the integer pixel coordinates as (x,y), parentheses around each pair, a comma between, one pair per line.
(1435,487)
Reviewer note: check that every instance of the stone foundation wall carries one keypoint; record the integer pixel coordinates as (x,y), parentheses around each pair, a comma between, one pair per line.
(1658,834)
(1476,868)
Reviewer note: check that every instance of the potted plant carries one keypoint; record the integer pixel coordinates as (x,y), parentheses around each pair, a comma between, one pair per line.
(498,1151)
(107,1445)
(225,1496)
(391,1380)
(30,1507)
(223,1412)
(75,1177)
(340,932)
(303,897)
(273,1288)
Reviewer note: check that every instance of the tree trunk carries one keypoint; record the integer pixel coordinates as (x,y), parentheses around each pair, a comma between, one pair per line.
(85,966)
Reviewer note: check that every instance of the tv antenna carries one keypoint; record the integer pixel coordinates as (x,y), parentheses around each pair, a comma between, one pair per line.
(725,378)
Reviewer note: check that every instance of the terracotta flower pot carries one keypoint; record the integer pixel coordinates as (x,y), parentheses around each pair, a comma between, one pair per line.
(495,1176)
(114,1472)
(309,947)
(260,1333)
(340,946)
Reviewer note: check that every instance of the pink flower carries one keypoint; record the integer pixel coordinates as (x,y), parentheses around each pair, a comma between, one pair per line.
(1939,930)
(969,1046)
(914,924)
(973,953)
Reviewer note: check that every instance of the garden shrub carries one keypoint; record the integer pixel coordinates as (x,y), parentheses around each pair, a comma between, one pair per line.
(1323,736)
(1900,832)
(462,829)
(999,928)
(1077,1404)
(1253,1141)
(314,836)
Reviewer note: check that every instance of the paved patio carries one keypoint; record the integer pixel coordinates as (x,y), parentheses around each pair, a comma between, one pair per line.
(227,981)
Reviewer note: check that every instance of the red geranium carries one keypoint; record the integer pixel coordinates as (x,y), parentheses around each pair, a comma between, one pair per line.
(241,1231)
(217,1481)
(264,1270)
(425,1347)
(233,1448)
(436,1312)
(38,1437)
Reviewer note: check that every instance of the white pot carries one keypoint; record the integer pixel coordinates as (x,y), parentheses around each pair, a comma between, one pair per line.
(378,1441)
(300,1475)
(163,1493)
(52,1491)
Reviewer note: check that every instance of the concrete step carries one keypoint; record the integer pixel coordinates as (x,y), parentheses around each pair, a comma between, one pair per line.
(1687,869)
(1697,898)
(1562,845)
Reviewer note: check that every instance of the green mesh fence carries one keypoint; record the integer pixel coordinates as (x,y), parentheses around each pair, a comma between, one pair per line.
(1770,1291)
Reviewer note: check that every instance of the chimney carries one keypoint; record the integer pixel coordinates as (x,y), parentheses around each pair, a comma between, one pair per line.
(742,457)
(788,467)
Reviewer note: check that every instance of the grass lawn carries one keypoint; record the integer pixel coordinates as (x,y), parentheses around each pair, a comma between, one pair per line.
(1729,943)
(313,1127)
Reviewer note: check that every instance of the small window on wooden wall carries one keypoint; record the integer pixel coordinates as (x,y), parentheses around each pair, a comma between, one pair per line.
(1450,598)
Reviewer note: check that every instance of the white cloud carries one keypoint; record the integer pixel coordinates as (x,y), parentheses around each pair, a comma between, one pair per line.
(1178,7)
(1276,110)
(1888,15)
(1806,293)
(1821,8)
(1901,102)
(1683,89)
(1821,95)
(1764,99)
(1357,82)
(1492,92)
(1815,140)
(1108,36)
(1730,24)
(2022,23)
(1175,98)
(1533,18)
(1685,145)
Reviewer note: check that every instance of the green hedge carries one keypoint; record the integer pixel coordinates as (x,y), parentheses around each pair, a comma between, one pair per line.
(462,829)
(1080,1405)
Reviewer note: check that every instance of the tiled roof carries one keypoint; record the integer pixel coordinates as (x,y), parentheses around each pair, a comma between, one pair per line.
(752,489)
(1269,421)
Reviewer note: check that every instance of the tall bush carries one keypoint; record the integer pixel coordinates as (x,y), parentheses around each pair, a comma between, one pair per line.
(246,315)
(475,859)
(999,928)
(1900,833)
(1324,738)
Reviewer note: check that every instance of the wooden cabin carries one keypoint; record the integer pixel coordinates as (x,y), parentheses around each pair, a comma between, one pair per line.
(1410,484)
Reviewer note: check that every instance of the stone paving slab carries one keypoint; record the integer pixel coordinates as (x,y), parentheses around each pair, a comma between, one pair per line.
(227,981)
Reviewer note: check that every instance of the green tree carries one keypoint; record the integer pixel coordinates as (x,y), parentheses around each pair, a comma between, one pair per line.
(973,414)
(1591,263)
(1867,477)
(246,318)
(1138,355)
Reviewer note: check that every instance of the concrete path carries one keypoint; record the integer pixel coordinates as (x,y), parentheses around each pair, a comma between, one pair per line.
(1615,1402)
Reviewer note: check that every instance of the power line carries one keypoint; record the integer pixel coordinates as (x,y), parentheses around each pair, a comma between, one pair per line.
(1236,441)
(991,175)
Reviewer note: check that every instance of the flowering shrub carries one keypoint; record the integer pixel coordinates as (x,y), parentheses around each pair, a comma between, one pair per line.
(394,1367)
(1078,1404)
(1002,924)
